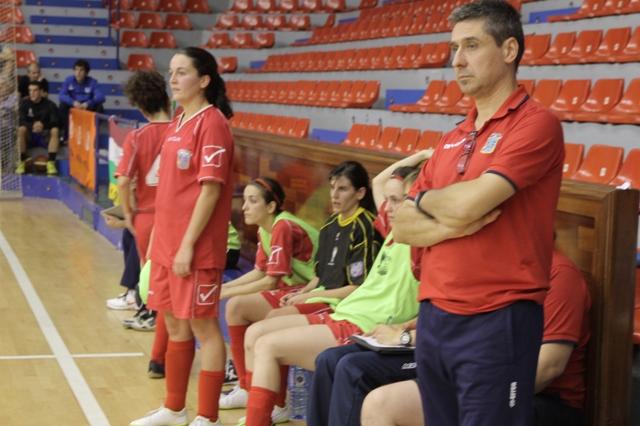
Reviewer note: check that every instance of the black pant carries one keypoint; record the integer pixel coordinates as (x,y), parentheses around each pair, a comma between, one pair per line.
(131,272)
(551,411)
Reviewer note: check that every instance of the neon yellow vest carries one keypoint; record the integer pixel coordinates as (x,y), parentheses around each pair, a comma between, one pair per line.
(302,271)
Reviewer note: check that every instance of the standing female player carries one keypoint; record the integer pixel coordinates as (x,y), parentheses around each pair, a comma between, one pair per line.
(188,244)
(147,91)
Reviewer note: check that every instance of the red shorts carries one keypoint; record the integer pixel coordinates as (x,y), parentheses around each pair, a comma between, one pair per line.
(274,297)
(341,329)
(313,308)
(195,296)
(143,224)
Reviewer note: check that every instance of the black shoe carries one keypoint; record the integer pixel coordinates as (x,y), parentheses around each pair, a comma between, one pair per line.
(156,370)
(230,375)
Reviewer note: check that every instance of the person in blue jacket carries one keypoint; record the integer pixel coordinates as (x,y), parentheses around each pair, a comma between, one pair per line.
(79,91)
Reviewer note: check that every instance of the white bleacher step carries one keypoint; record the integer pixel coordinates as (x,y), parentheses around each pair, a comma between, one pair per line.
(71,12)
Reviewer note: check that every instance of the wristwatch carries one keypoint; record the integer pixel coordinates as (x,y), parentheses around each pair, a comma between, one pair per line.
(405,338)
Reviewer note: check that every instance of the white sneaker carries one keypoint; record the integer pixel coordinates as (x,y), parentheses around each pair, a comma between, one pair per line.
(278,415)
(203,421)
(125,302)
(237,398)
(162,417)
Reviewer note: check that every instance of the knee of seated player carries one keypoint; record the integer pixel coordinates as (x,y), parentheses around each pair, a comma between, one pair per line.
(349,368)
(268,347)
(375,407)
(254,332)
(278,312)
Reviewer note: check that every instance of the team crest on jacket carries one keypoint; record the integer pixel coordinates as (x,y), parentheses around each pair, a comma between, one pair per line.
(491,143)
(183,159)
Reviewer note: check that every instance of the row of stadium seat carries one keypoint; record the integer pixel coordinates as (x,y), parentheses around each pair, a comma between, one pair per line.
(142,61)
(382,27)
(288,6)
(229,21)
(151,20)
(429,55)
(589,46)
(598,8)
(15,18)
(189,6)
(274,124)
(157,39)
(21,34)
(391,139)
(334,94)
(241,41)
(572,100)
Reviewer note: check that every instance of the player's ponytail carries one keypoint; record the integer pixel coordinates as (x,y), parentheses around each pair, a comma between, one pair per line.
(216,91)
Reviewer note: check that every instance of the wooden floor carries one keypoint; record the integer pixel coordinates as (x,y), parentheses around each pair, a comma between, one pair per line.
(85,368)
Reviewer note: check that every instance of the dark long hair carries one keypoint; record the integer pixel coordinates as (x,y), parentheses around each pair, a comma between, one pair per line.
(359,178)
(216,91)
(271,190)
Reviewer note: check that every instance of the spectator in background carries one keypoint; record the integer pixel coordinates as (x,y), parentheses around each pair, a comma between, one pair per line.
(38,120)
(33,74)
(79,91)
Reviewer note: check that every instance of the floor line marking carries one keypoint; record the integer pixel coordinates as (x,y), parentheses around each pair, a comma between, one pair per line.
(87,400)
(103,355)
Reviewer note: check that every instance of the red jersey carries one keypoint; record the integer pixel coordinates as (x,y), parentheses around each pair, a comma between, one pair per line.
(199,149)
(382,222)
(140,161)
(508,260)
(288,241)
(566,320)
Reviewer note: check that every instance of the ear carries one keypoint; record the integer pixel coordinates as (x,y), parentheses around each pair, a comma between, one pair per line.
(271,207)
(204,81)
(361,192)
(510,49)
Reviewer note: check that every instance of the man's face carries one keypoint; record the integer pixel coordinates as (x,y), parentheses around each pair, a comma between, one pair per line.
(33,72)
(35,94)
(479,63)
(80,73)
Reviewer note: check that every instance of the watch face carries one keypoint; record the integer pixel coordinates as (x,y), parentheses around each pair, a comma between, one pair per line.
(405,338)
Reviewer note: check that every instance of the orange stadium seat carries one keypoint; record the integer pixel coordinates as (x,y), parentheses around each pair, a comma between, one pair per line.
(370,135)
(600,165)
(300,128)
(171,6)
(227,21)
(288,6)
(604,95)
(587,42)
(535,46)
(410,54)
(15,18)
(428,139)
(559,48)
(265,6)
(163,39)
(242,6)
(242,40)
(632,7)
(139,61)
(629,174)
(148,5)
(178,22)
(528,85)
(300,22)
(627,110)
(546,91)
(432,93)
(388,139)
(20,34)
(572,158)
(612,45)
(391,61)
(407,141)
(218,41)
(613,7)
(24,58)
(265,40)
(125,20)
(123,4)
(451,95)
(150,20)
(366,97)
(275,22)
(252,22)
(589,8)
(336,5)
(571,97)
(313,6)
(197,6)
(439,57)
(631,51)
(134,39)
(354,137)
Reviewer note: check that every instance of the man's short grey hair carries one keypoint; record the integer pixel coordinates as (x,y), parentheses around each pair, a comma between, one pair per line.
(502,21)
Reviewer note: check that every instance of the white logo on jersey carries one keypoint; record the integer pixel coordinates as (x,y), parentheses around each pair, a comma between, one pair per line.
(212,156)
(205,294)
(453,145)
(513,392)
(333,256)
(153,178)
(274,257)
(174,139)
